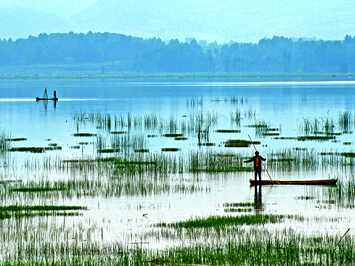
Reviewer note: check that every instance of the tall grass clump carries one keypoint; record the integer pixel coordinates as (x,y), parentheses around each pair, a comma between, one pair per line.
(287,248)
(344,192)
(127,142)
(290,159)
(219,221)
(214,162)
(236,117)
(317,125)
(5,144)
(329,124)
(345,120)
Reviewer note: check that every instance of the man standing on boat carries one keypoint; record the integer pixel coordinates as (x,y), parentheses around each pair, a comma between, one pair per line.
(257,164)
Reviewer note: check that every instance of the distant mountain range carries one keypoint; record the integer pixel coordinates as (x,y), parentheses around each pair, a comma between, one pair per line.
(20,23)
(238,20)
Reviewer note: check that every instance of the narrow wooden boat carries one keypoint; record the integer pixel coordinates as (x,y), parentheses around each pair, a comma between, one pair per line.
(323,182)
(46,99)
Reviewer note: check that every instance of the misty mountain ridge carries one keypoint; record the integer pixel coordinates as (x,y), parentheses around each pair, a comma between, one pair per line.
(22,22)
(246,21)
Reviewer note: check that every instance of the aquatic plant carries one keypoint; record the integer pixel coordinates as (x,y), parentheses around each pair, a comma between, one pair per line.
(236,117)
(16,139)
(344,120)
(218,221)
(84,134)
(228,131)
(293,159)
(344,192)
(239,143)
(318,138)
(5,141)
(322,125)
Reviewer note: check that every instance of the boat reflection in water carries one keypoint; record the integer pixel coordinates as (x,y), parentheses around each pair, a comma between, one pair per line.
(45,99)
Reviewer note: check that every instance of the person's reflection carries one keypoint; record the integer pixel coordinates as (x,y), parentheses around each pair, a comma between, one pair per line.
(258,199)
(45,104)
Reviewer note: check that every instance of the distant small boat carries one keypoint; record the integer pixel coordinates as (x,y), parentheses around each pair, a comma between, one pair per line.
(46,99)
(45,96)
(323,182)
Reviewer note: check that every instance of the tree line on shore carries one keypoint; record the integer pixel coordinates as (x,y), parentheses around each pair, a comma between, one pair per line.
(127,53)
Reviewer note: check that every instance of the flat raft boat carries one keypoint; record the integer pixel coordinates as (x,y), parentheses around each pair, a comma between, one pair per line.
(46,99)
(324,182)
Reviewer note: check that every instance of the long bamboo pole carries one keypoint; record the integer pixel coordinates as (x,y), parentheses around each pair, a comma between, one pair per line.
(343,237)
(261,161)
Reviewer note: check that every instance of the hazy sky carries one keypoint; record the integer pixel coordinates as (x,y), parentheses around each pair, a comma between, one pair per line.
(61,8)
(237,20)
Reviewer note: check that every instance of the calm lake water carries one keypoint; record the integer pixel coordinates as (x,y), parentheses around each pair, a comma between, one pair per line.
(282,105)
(277,103)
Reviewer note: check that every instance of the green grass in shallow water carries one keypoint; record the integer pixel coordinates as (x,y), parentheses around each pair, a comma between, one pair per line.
(17,211)
(217,221)
(239,143)
(14,208)
(37,189)
(316,138)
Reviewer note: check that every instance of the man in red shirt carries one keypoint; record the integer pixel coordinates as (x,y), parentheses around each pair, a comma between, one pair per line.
(257,164)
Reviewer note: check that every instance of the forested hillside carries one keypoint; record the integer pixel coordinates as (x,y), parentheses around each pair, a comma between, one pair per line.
(134,54)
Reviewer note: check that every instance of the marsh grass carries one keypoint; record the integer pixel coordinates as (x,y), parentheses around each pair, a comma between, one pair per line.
(84,134)
(235,117)
(129,142)
(173,135)
(207,144)
(5,141)
(289,249)
(18,211)
(348,154)
(344,192)
(180,138)
(317,138)
(240,206)
(246,210)
(291,159)
(228,131)
(316,125)
(36,189)
(239,143)
(220,221)
(36,149)
(242,248)
(345,120)
(118,132)
(170,149)
(28,149)
(17,208)
(16,139)
(108,150)
(142,150)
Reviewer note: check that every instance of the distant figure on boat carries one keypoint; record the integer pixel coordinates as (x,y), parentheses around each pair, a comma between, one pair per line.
(45,96)
(257,159)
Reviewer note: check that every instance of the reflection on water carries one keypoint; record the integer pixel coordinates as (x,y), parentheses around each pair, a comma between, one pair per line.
(45,104)
(258,199)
